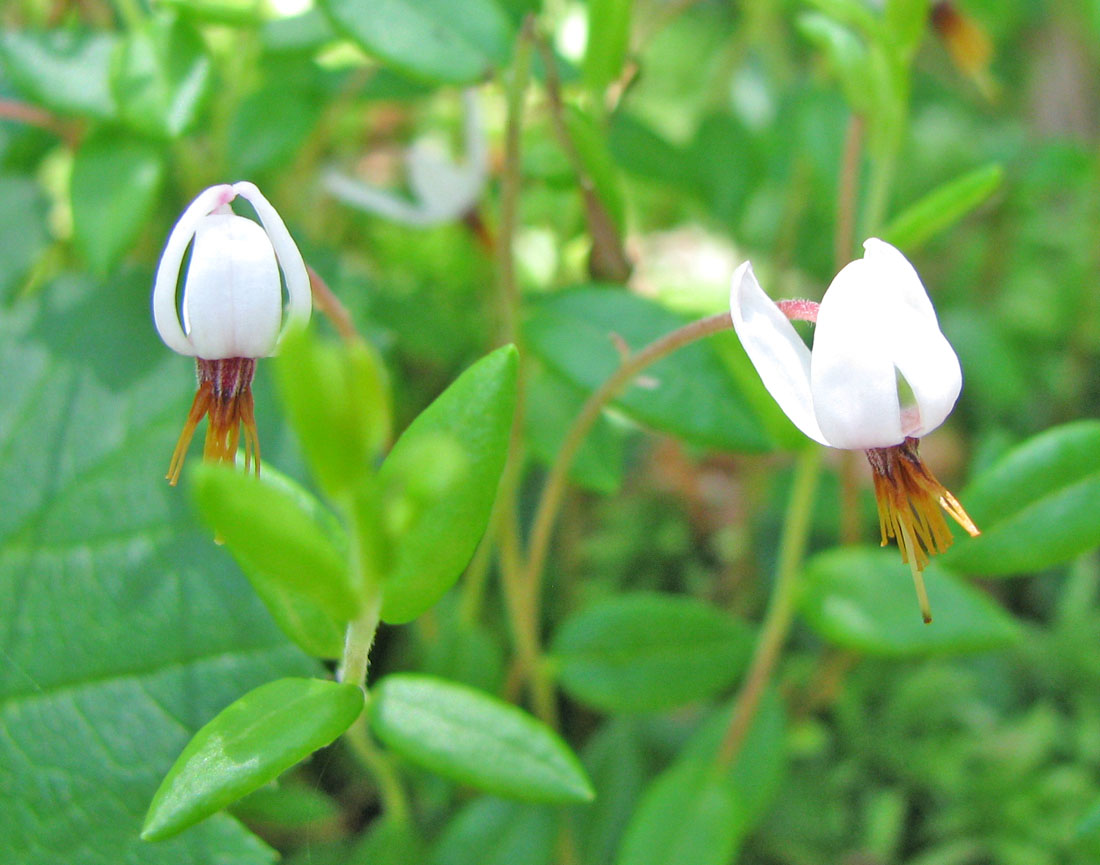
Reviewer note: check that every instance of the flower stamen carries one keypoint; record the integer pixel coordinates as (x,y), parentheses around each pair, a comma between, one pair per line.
(909,501)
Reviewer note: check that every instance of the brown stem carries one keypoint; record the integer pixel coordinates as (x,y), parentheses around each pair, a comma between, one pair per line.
(330,305)
(32,115)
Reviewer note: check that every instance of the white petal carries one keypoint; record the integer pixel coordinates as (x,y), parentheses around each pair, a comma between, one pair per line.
(165,315)
(232,297)
(775,349)
(919,349)
(374,200)
(852,374)
(445,189)
(299,293)
(477,143)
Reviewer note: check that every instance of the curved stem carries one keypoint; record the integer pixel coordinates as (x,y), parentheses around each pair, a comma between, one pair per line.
(390,791)
(780,614)
(554,489)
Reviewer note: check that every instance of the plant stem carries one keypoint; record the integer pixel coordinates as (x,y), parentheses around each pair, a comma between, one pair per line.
(554,489)
(357,643)
(843,240)
(330,305)
(780,614)
(390,791)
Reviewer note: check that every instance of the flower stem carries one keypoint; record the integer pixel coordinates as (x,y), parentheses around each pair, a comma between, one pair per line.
(390,791)
(780,614)
(357,642)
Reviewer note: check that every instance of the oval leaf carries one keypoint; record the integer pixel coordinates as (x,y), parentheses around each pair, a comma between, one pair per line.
(647,652)
(863,599)
(473,738)
(64,71)
(435,40)
(490,831)
(943,207)
(114,186)
(475,415)
(688,393)
(1036,507)
(270,532)
(249,743)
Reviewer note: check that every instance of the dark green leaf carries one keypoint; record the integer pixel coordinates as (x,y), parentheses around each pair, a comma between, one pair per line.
(248,744)
(474,414)
(66,72)
(498,832)
(943,207)
(115,181)
(647,652)
(615,759)
(688,394)
(436,40)
(864,599)
(389,841)
(161,77)
(473,738)
(271,533)
(270,126)
(1036,507)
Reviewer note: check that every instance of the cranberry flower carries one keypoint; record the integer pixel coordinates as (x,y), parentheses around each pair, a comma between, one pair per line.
(880,376)
(232,311)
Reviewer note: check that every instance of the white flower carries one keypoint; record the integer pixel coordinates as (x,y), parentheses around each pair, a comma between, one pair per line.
(232,311)
(874,324)
(443,189)
(232,295)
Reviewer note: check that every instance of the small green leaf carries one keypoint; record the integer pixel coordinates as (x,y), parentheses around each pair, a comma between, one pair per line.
(64,71)
(906,23)
(269,126)
(116,177)
(269,531)
(23,234)
(249,743)
(617,762)
(160,78)
(943,207)
(608,40)
(435,543)
(689,393)
(490,831)
(846,53)
(337,397)
(435,40)
(287,806)
(235,13)
(647,652)
(591,143)
(473,738)
(863,599)
(1036,507)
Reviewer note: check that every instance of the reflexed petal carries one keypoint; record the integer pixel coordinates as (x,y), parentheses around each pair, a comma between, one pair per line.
(232,297)
(852,374)
(776,350)
(165,315)
(299,293)
(445,189)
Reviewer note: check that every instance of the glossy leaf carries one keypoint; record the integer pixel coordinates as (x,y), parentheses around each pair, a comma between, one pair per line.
(115,181)
(161,77)
(473,738)
(124,629)
(248,744)
(490,831)
(474,415)
(863,599)
(688,393)
(337,396)
(67,72)
(436,40)
(943,207)
(269,531)
(647,652)
(1036,506)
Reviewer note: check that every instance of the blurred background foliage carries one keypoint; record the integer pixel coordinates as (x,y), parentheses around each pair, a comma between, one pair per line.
(711,131)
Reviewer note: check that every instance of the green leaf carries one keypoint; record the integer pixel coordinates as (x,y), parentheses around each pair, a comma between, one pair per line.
(473,738)
(1036,507)
(248,744)
(23,234)
(646,652)
(591,142)
(616,760)
(63,71)
(446,524)
(116,178)
(846,53)
(863,599)
(337,397)
(270,533)
(389,841)
(235,13)
(288,806)
(906,23)
(435,40)
(269,127)
(491,831)
(160,77)
(696,812)
(943,207)
(689,393)
(123,628)
(608,40)
(552,406)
